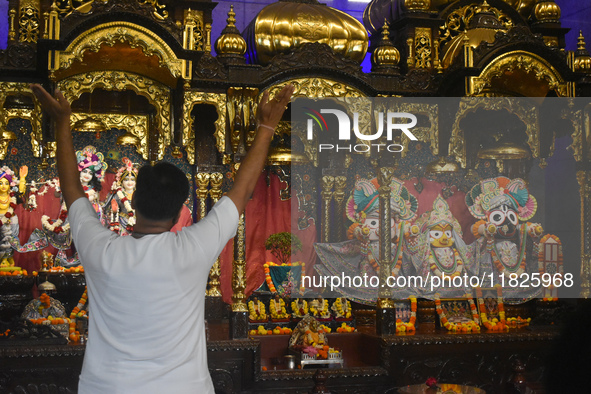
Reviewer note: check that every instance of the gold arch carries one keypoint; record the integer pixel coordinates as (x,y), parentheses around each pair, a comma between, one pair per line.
(157,94)
(518,60)
(113,32)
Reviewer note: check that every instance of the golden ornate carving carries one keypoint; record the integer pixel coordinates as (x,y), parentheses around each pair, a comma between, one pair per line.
(417,5)
(215,192)
(202,180)
(384,180)
(427,134)
(527,114)
(386,54)
(113,32)
(585,193)
(159,10)
(32,115)
(239,270)
(423,47)
(29,22)
(410,60)
(135,124)
(218,100)
(230,41)
(65,7)
(193,34)
(327,193)
(546,11)
(11,30)
(158,95)
(386,303)
(581,131)
(527,62)
(582,60)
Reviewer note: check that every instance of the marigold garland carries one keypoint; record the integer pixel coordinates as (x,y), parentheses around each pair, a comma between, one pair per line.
(282,313)
(253,315)
(496,324)
(269,280)
(77,312)
(402,327)
(454,327)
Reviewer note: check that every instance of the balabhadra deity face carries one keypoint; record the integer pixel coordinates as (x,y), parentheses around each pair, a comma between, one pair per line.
(505,219)
(440,236)
(372,222)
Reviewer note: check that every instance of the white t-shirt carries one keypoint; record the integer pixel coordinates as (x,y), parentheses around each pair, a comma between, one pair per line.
(146,298)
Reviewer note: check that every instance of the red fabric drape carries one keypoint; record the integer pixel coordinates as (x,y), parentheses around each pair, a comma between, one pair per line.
(265,214)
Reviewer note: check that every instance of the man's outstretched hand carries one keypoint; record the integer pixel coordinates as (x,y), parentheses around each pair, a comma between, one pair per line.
(269,112)
(58,108)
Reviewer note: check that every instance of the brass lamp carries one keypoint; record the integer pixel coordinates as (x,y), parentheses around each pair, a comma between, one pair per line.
(8,135)
(504,151)
(90,125)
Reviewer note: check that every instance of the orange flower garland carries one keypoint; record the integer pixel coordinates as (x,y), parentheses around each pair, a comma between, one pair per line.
(77,312)
(454,327)
(269,280)
(44,303)
(494,325)
(401,326)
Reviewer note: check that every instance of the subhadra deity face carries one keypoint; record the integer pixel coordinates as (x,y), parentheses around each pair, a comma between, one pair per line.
(505,219)
(440,236)
(4,186)
(372,222)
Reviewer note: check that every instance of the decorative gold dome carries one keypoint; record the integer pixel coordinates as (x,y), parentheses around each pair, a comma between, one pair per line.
(283,25)
(417,5)
(230,43)
(385,56)
(546,11)
(582,59)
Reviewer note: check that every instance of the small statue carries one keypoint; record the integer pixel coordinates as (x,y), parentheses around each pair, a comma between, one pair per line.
(319,308)
(120,216)
(277,308)
(256,310)
(309,337)
(341,308)
(11,191)
(299,308)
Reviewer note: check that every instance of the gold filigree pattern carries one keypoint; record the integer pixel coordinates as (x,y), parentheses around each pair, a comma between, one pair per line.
(239,270)
(423,47)
(29,24)
(111,33)
(219,102)
(327,193)
(159,10)
(158,95)
(10,88)
(66,7)
(135,124)
(528,115)
(583,178)
(519,60)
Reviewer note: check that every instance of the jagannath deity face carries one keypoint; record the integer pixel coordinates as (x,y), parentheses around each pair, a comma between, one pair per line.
(505,219)
(372,222)
(440,236)
(4,185)
(128,183)
(85,176)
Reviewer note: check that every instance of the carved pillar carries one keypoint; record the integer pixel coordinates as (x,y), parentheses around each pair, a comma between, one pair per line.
(385,314)
(214,274)
(202,180)
(239,321)
(339,198)
(584,179)
(327,184)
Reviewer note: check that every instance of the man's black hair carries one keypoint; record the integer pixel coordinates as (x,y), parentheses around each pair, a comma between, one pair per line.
(160,191)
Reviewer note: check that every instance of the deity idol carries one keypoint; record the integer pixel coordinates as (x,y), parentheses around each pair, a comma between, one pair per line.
(507,244)
(119,214)
(359,257)
(92,168)
(11,190)
(437,249)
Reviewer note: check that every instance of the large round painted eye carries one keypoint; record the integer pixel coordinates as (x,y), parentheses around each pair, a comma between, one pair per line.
(372,223)
(448,233)
(435,234)
(512,217)
(497,217)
